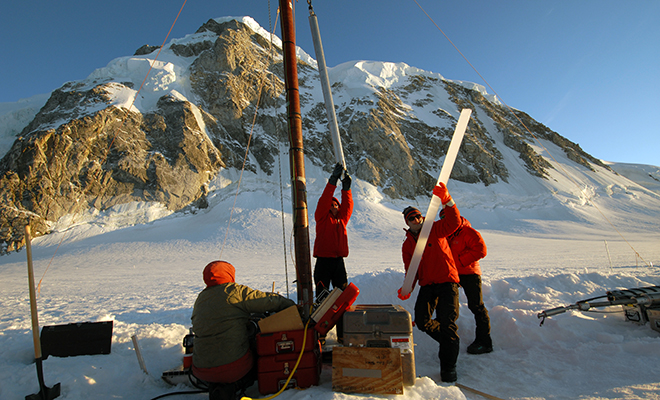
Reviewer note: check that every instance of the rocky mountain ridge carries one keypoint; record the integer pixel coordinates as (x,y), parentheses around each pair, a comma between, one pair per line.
(90,147)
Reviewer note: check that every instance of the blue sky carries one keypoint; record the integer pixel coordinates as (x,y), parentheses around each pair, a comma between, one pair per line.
(588,69)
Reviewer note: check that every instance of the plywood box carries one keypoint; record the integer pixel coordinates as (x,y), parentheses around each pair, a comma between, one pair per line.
(285,320)
(368,370)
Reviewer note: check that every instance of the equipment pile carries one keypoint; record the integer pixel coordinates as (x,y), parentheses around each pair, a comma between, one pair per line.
(640,305)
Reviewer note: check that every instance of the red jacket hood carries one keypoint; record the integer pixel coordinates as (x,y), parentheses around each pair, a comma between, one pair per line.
(219,272)
(465,223)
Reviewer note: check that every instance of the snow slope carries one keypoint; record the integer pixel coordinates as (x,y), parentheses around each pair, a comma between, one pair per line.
(146,276)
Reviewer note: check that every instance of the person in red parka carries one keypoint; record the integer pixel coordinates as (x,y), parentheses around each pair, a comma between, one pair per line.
(468,247)
(331,244)
(438,280)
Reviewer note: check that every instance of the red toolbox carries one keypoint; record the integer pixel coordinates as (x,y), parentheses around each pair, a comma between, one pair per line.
(274,370)
(286,342)
(333,307)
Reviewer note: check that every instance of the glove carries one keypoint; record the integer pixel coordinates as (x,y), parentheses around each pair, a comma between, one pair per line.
(441,191)
(346,182)
(402,297)
(336,174)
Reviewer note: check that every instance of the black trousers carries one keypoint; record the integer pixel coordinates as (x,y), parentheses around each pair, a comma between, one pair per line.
(331,271)
(441,298)
(471,285)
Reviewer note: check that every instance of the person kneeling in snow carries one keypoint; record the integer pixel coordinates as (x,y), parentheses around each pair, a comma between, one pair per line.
(221,354)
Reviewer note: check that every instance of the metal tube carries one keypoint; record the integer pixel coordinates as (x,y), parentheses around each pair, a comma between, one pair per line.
(327,93)
(297,161)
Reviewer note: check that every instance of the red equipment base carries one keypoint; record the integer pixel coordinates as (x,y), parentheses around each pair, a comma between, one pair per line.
(286,342)
(273,371)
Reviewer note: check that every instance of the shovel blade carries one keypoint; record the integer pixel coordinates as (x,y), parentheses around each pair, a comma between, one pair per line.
(45,393)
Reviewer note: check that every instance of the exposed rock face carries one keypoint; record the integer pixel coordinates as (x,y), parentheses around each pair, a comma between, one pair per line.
(108,158)
(81,152)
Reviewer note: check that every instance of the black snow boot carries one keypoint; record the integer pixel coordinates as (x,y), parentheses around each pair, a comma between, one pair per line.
(448,355)
(448,375)
(481,346)
(222,391)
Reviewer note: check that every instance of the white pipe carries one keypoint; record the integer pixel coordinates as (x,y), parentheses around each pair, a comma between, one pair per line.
(429,218)
(327,94)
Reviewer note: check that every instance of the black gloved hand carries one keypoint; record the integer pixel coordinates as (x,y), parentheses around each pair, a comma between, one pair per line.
(346,182)
(336,174)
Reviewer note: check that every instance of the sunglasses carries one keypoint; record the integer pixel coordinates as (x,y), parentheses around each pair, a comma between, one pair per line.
(414,217)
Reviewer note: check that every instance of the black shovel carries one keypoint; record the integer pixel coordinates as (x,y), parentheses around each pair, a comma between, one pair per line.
(45,393)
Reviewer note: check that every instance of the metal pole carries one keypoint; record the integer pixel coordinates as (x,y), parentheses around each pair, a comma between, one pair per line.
(297,161)
(327,93)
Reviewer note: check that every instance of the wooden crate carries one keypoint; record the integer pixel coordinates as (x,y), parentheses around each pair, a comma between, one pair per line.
(368,370)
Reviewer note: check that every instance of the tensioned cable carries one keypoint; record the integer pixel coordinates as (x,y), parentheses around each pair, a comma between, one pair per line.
(587,197)
(247,149)
(279,152)
(107,150)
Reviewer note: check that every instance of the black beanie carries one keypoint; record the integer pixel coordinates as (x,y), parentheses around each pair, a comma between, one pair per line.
(411,212)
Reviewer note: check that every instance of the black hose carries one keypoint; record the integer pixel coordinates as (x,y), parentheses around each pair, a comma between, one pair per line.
(176,393)
(198,383)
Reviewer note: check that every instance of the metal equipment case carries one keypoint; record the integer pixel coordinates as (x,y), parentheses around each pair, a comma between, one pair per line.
(382,325)
(77,339)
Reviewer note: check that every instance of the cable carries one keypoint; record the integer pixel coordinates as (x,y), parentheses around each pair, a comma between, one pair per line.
(178,393)
(586,196)
(247,150)
(293,371)
(107,150)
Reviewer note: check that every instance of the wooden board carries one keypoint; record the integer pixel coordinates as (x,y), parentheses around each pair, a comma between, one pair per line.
(285,320)
(368,370)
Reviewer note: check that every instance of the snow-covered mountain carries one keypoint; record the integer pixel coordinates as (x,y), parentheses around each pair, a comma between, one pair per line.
(117,138)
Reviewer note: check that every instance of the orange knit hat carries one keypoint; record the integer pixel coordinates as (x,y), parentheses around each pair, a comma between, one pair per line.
(219,272)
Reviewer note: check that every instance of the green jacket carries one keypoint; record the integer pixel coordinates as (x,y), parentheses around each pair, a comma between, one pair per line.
(220,318)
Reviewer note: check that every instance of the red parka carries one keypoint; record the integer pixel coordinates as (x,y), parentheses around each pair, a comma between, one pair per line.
(437,263)
(331,236)
(467,247)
